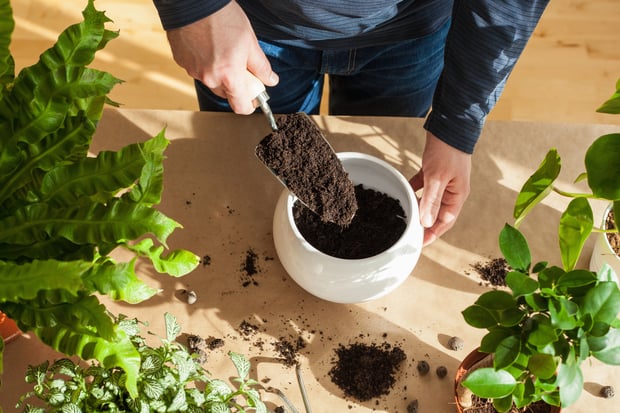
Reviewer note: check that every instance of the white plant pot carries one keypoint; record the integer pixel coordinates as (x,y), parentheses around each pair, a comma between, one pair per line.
(352,280)
(602,252)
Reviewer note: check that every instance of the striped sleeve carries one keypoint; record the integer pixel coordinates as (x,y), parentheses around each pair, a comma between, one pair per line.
(485,40)
(177,13)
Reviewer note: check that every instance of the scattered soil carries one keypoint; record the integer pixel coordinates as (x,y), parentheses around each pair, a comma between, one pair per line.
(288,351)
(613,237)
(486,406)
(365,371)
(494,271)
(377,225)
(249,268)
(301,157)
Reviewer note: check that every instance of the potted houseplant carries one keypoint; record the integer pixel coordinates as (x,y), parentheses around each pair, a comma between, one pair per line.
(602,175)
(170,378)
(540,330)
(346,280)
(62,212)
(550,319)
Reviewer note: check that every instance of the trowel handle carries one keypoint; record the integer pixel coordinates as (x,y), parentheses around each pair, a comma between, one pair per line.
(261,97)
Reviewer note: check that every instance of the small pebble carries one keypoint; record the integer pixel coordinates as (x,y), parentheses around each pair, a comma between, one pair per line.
(441,372)
(456,343)
(413,406)
(607,392)
(423,367)
(191,297)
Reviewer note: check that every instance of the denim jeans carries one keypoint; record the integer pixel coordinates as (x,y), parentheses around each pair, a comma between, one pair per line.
(389,80)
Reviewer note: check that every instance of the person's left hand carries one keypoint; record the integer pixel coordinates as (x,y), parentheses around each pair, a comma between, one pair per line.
(445,177)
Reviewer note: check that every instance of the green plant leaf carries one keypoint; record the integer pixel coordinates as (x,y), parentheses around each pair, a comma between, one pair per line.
(503,404)
(603,302)
(507,352)
(496,300)
(542,333)
(607,348)
(538,186)
(563,314)
(241,364)
(7,25)
(570,382)
(176,263)
(576,224)
(574,279)
(521,284)
(603,168)
(493,338)
(612,105)
(515,249)
(542,365)
(25,281)
(173,329)
(489,383)
(479,317)
(118,281)
(96,224)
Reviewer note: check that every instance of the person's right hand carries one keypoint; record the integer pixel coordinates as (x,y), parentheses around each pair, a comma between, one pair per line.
(219,51)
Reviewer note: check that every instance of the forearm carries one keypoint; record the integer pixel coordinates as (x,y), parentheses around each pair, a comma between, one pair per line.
(483,46)
(178,13)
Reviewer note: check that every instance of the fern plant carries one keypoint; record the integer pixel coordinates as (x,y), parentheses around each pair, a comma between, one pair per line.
(170,379)
(62,212)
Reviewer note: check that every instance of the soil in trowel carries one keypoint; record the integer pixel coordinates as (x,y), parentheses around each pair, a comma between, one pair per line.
(299,155)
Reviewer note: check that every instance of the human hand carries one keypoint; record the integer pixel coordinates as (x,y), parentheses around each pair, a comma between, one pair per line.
(221,51)
(445,177)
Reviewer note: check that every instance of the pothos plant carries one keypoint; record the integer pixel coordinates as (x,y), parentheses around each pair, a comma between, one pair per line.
(62,212)
(551,319)
(170,379)
(602,176)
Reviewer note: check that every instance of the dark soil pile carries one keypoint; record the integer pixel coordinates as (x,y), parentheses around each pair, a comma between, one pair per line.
(365,371)
(299,155)
(377,225)
(494,271)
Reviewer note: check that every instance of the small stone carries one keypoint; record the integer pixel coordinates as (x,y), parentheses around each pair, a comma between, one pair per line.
(423,367)
(607,392)
(413,406)
(456,343)
(441,372)
(191,297)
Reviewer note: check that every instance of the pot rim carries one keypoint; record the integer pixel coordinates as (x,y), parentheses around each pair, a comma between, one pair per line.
(8,328)
(411,213)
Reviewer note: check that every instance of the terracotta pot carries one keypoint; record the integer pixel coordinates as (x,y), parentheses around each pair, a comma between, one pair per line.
(347,280)
(603,253)
(471,359)
(8,328)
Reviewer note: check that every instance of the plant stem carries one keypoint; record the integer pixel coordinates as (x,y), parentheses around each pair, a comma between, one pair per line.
(573,194)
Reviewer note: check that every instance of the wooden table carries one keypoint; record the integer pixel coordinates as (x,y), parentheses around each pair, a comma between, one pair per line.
(225,199)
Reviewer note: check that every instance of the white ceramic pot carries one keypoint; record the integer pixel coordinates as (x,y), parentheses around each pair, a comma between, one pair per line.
(602,252)
(346,280)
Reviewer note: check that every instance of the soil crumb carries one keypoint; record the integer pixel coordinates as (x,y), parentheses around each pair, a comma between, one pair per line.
(249,268)
(288,351)
(377,225)
(299,155)
(494,271)
(364,371)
